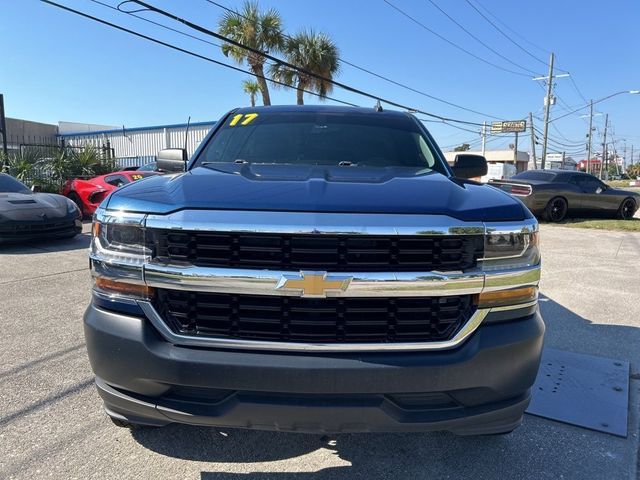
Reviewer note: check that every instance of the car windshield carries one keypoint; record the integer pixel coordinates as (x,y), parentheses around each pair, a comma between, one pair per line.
(535,175)
(319,138)
(8,184)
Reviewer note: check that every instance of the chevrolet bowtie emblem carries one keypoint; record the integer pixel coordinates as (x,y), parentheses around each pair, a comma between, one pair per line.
(313,284)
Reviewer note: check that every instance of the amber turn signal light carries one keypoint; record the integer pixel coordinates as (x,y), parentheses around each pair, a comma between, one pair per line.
(514,296)
(124,288)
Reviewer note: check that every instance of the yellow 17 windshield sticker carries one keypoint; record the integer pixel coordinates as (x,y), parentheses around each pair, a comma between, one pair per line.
(246,118)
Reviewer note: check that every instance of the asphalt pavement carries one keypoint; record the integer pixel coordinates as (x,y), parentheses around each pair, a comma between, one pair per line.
(52,424)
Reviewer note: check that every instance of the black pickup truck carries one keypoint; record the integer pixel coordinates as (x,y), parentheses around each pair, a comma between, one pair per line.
(315,269)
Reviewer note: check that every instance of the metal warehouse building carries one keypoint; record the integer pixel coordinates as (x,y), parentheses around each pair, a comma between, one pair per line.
(137,146)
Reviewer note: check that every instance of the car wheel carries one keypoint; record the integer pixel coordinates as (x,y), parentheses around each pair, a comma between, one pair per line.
(556,209)
(627,209)
(73,196)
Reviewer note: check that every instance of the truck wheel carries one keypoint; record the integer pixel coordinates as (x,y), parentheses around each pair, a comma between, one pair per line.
(627,209)
(556,209)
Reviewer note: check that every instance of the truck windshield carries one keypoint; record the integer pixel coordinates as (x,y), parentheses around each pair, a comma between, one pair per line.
(319,138)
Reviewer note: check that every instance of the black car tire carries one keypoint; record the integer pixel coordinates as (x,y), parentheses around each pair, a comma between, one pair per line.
(73,196)
(556,209)
(627,209)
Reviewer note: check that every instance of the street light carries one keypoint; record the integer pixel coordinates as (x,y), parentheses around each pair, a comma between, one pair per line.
(632,92)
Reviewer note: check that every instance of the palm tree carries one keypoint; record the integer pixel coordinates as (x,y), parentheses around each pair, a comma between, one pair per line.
(313,52)
(251,88)
(259,30)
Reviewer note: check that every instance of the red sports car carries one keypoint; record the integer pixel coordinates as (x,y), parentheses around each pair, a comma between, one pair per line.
(88,194)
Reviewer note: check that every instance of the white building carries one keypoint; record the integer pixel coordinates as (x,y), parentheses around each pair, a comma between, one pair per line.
(520,160)
(558,161)
(136,146)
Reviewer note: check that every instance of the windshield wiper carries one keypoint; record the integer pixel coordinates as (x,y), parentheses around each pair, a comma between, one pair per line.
(346,163)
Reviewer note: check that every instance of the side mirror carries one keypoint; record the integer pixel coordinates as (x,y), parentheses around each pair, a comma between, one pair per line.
(467,165)
(36,188)
(172,160)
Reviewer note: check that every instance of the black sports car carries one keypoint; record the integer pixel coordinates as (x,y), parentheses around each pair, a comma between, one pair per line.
(27,215)
(555,194)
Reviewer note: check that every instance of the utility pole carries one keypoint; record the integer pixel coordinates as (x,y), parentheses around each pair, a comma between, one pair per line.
(484,136)
(533,141)
(547,109)
(3,125)
(589,136)
(515,152)
(631,156)
(604,144)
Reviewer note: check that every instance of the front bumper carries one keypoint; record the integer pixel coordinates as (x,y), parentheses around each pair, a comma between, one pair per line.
(480,387)
(16,231)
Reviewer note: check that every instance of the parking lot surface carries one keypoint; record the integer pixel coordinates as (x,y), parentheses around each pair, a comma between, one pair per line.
(52,424)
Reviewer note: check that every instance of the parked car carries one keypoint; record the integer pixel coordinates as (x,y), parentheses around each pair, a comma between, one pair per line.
(556,194)
(315,269)
(31,215)
(148,167)
(88,194)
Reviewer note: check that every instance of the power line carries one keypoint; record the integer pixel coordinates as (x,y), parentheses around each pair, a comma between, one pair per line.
(370,72)
(489,47)
(293,67)
(573,82)
(508,37)
(452,43)
(179,49)
(197,27)
(544,50)
(175,30)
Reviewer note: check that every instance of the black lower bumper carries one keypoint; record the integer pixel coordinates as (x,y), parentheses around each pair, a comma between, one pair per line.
(481,387)
(17,232)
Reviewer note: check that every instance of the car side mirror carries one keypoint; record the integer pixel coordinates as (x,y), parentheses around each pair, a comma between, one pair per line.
(467,165)
(600,189)
(172,160)
(36,188)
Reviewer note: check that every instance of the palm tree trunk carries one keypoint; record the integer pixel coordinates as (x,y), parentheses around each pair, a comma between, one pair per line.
(262,83)
(253,99)
(300,91)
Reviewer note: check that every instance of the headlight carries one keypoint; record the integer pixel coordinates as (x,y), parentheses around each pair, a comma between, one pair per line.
(120,238)
(71,207)
(504,250)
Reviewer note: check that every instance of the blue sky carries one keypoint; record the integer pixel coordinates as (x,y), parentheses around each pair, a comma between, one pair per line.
(57,66)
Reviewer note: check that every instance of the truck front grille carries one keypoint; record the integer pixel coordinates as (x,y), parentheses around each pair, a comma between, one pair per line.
(324,320)
(335,253)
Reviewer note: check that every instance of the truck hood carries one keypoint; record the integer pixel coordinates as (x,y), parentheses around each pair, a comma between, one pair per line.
(389,190)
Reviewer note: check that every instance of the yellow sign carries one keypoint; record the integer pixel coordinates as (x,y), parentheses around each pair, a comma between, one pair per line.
(513,126)
(246,118)
(313,284)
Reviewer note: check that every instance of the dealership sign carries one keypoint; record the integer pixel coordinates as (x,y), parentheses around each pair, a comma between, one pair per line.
(513,126)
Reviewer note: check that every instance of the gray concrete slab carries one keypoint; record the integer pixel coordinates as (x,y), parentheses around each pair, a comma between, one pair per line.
(52,425)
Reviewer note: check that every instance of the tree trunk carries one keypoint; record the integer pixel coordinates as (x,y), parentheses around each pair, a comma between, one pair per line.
(300,91)
(262,83)
(253,99)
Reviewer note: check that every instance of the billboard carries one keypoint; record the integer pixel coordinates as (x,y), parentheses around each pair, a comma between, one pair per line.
(512,126)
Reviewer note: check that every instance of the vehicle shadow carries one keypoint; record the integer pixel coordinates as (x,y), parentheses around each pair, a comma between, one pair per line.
(79,242)
(538,449)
